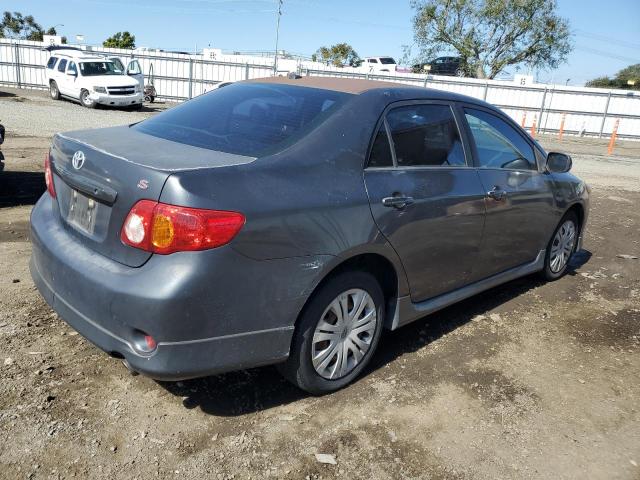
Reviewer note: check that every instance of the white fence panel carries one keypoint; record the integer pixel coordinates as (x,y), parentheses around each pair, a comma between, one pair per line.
(177,77)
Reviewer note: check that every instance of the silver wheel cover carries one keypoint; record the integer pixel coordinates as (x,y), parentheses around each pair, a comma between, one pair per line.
(344,334)
(562,246)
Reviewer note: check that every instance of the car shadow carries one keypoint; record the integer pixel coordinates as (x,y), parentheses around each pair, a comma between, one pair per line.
(21,188)
(248,391)
(7,94)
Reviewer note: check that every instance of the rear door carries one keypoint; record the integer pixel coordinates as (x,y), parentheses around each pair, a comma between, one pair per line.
(425,196)
(519,201)
(60,75)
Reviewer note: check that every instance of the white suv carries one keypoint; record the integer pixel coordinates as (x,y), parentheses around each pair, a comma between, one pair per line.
(378,64)
(93,79)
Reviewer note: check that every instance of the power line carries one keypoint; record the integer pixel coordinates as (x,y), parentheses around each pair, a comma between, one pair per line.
(605,38)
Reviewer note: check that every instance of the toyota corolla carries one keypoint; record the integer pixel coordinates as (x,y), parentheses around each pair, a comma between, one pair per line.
(290,220)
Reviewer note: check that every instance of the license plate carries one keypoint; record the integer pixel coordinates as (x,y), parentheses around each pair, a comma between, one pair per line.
(82,212)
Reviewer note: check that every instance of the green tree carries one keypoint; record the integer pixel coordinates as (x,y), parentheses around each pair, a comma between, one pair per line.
(338,55)
(120,40)
(491,35)
(620,80)
(16,25)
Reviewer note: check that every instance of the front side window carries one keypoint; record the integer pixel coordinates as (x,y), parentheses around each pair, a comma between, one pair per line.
(251,119)
(381,150)
(72,68)
(498,144)
(425,135)
(51,63)
(62,65)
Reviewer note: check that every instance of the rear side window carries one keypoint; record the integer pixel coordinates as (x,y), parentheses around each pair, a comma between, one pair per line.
(62,65)
(51,63)
(387,61)
(250,119)
(425,135)
(381,150)
(499,145)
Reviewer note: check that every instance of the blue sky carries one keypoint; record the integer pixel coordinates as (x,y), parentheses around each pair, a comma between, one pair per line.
(607,34)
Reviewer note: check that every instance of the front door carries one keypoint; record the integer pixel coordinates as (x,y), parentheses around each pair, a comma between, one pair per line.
(424,196)
(519,200)
(135,71)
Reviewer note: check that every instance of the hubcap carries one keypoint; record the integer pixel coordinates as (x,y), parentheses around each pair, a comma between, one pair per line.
(344,333)
(85,98)
(562,246)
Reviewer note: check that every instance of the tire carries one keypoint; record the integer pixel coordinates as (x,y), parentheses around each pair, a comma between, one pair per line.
(553,271)
(53,90)
(299,368)
(85,100)
(460,72)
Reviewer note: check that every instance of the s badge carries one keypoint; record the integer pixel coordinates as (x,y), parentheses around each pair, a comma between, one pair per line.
(143,184)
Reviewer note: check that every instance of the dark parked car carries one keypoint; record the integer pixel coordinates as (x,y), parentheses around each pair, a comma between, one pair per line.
(289,221)
(444,66)
(1,142)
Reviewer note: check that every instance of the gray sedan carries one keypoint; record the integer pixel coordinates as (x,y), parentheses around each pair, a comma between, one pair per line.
(290,220)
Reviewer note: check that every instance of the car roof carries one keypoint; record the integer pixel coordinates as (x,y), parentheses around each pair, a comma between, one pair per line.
(79,55)
(346,85)
(358,86)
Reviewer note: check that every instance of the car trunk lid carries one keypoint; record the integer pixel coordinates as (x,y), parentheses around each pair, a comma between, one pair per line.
(101,174)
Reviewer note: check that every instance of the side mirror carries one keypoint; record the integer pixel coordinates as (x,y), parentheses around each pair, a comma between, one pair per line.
(558,162)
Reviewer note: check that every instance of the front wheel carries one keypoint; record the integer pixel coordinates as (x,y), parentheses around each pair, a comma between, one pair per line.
(560,248)
(336,334)
(86,100)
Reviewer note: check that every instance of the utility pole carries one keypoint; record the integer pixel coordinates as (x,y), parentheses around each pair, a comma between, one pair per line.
(275,60)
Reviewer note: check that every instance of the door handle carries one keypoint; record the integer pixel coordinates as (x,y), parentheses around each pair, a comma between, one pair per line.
(497,193)
(398,202)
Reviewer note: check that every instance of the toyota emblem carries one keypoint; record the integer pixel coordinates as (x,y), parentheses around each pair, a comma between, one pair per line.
(78,160)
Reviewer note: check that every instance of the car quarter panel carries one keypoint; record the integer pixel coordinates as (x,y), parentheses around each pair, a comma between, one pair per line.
(307,200)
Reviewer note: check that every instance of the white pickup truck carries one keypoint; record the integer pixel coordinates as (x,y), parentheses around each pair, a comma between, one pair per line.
(94,79)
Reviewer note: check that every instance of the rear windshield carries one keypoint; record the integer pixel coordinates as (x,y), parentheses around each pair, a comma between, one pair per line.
(387,61)
(250,119)
(90,69)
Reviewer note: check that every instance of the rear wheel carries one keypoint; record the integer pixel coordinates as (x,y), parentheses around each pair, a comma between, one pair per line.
(86,100)
(53,90)
(561,246)
(460,72)
(337,333)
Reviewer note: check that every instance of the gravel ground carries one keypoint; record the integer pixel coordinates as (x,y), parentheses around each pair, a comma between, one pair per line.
(528,380)
(31,113)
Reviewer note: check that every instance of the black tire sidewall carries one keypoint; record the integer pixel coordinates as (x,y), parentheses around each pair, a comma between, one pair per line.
(87,105)
(547,272)
(299,368)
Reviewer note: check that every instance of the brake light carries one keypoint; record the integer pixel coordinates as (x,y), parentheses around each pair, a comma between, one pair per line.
(162,228)
(48,176)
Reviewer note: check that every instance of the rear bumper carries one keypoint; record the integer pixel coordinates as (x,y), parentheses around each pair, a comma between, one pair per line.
(173,360)
(201,325)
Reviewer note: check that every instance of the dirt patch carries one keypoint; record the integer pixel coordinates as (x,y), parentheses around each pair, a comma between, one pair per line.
(529,380)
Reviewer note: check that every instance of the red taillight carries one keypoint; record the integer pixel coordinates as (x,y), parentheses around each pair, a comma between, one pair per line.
(161,228)
(48,176)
